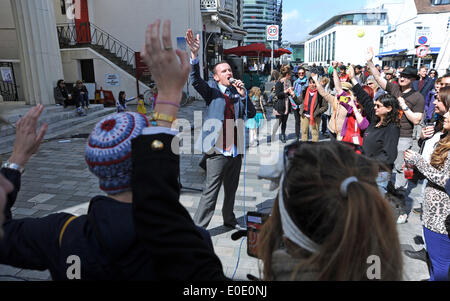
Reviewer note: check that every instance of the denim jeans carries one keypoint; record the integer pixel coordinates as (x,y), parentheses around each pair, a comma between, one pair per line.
(408,200)
(403,145)
(382,181)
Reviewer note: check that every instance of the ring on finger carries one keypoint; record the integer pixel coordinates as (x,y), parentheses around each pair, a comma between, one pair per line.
(168,48)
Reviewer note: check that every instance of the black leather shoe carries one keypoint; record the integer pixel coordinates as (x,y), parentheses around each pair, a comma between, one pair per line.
(419,255)
(236,227)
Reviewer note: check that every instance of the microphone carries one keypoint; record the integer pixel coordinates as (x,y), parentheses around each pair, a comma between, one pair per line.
(232,80)
(239,234)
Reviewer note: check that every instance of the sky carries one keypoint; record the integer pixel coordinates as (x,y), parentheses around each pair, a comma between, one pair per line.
(300,17)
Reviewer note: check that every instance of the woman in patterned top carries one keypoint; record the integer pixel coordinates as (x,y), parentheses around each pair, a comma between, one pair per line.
(436,206)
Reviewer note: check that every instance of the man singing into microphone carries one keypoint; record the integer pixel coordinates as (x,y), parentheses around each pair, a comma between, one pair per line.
(227,106)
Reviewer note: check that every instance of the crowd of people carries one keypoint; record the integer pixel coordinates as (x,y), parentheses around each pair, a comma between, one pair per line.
(385,111)
(330,214)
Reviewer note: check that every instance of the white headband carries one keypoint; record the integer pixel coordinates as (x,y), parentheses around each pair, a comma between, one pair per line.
(290,230)
(345,183)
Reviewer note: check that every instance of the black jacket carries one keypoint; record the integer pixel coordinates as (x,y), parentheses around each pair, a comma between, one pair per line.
(112,253)
(428,85)
(162,223)
(379,143)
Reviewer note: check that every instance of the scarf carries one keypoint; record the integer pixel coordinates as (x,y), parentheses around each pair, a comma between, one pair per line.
(299,85)
(313,104)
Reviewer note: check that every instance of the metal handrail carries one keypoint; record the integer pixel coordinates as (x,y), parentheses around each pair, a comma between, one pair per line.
(68,35)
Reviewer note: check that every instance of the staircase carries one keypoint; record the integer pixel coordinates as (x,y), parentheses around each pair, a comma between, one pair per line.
(62,121)
(90,35)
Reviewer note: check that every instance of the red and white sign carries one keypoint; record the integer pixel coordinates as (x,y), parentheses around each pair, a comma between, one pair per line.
(422,51)
(272,32)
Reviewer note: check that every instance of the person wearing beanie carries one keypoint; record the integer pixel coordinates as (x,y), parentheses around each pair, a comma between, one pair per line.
(104,240)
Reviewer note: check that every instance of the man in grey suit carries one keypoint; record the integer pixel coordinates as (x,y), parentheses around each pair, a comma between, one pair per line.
(227,106)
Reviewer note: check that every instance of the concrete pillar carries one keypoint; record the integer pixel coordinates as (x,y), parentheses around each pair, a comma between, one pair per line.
(40,57)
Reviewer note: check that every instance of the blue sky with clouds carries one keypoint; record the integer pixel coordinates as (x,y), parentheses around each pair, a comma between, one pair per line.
(300,17)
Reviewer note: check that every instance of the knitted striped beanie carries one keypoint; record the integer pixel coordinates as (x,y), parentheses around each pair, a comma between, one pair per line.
(108,151)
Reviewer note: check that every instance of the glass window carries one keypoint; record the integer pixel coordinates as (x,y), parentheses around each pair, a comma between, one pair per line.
(329,47)
(334,46)
(63,7)
(440,2)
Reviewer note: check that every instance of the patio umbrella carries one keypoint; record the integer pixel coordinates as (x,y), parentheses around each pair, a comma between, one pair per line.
(280,51)
(256,49)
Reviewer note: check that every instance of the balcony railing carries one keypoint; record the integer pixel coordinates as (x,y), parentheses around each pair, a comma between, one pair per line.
(71,35)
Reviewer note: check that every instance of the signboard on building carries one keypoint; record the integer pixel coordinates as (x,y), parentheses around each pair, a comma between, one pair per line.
(6,74)
(112,79)
(141,67)
(423,37)
(272,32)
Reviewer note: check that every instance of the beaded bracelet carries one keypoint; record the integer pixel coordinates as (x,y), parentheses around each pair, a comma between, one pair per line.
(167,103)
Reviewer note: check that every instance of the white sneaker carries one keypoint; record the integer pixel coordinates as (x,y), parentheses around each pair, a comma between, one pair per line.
(402,219)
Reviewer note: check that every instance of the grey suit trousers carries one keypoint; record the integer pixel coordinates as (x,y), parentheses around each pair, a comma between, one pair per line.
(219,169)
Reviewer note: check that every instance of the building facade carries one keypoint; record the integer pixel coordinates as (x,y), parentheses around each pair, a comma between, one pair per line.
(346,36)
(87,40)
(257,15)
(222,29)
(418,18)
(298,52)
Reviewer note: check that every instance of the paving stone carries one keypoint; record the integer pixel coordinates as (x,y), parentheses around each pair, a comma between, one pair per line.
(45,207)
(25,211)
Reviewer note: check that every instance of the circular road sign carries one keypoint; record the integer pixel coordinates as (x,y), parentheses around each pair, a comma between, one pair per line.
(422,51)
(272,31)
(423,40)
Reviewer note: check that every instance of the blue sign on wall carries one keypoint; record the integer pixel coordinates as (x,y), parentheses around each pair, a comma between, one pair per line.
(423,40)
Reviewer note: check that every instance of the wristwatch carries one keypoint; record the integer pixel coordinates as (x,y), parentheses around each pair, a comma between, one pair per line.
(14,166)
(406,109)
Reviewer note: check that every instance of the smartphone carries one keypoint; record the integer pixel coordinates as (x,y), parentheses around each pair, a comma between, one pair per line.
(255,221)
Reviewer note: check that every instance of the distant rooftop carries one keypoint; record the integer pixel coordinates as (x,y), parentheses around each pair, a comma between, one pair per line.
(336,18)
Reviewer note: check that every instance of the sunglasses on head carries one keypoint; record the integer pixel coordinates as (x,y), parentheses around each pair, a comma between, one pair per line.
(289,150)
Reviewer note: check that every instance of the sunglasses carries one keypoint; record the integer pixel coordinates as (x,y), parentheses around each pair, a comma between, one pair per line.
(379,106)
(290,149)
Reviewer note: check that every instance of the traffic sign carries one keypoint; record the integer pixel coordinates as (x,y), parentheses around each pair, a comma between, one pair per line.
(422,40)
(422,51)
(272,32)
(423,37)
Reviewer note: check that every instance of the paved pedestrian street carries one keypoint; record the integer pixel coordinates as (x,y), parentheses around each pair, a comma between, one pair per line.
(57,179)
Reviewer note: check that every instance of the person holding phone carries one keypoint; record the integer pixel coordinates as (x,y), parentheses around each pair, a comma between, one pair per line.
(436,206)
(281,108)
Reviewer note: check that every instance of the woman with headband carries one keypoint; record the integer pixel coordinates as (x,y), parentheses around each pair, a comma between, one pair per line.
(329,220)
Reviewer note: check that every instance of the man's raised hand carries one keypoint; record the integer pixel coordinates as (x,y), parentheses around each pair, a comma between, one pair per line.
(193,43)
(370,54)
(351,72)
(169,72)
